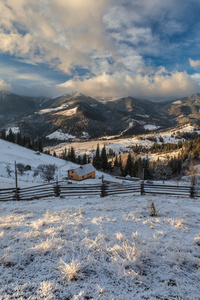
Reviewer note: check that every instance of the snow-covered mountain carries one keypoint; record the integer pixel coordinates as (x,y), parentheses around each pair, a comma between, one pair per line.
(80,116)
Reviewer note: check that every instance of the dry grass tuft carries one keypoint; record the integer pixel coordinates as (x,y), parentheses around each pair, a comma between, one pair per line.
(197,240)
(71,271)
(152,210)
(178,223)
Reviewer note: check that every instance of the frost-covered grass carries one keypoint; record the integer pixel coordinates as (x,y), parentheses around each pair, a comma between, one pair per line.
(100,248)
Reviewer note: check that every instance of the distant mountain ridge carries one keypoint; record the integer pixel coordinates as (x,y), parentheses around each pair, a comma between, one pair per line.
(78,115)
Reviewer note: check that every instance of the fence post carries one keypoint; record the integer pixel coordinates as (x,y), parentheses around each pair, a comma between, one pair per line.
(57,189)
(103,188)
(16,185)
(142,188)
(192,191)
(16,194)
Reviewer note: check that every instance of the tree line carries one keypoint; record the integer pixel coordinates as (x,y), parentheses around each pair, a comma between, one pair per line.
(22,140)
(137,164)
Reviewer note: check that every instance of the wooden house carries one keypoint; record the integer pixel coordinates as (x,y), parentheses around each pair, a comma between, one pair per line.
(82,172)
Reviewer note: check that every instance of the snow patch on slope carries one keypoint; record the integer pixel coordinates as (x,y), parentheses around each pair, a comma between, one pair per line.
(177,102)
(67,113)
(151,127)
(48,110)
(15,130)
(143,116)
(59,135)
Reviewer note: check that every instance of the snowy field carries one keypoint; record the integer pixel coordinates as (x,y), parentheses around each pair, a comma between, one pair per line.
(9,153)
(100,248)
(118,144)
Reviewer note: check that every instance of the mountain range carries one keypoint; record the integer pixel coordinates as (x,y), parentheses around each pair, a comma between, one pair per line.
(79,115)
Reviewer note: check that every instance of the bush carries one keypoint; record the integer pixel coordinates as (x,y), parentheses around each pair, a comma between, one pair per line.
(28,168)
(8,169)
(21,168)
(152,210)
(46,172)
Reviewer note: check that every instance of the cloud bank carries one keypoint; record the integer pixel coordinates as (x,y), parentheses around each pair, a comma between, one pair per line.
(155,86)
(115,48)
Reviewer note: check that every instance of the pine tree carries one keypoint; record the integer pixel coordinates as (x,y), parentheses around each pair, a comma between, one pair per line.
(39,145)
(72,155)
(64,154)
(97,159)
(27,142)
(33,144)
(120,165)
(116,163)
(104,159)
(129,165)
(85,161)
(3,134)
(79,160)
(19,138)
(11,136)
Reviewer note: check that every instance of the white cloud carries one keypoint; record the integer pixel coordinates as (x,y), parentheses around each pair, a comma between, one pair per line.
(61,33)
(196,77)
(110,39)
(159,85)
(194,63)
(26,82)
(4,86)
(66,34)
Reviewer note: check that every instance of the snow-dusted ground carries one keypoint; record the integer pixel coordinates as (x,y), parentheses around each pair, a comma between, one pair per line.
(100,248)
(9,153)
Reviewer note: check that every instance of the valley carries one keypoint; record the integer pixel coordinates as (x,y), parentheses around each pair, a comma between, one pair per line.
(121,145)
(154,134)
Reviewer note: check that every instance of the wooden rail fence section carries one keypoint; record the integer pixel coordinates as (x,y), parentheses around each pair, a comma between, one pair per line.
(64,190)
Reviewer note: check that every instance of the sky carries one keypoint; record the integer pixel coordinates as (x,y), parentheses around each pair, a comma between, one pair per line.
(148,49)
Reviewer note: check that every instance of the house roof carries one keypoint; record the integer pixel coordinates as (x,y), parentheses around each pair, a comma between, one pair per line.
(84,169)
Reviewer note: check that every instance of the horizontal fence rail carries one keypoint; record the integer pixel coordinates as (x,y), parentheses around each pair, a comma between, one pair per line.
(64,190)
(123,189)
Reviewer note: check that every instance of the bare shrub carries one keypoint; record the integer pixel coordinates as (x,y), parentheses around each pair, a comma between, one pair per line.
(193,173)
(197,240)
(46,172)
(8,170)
(21,168)
(152,210)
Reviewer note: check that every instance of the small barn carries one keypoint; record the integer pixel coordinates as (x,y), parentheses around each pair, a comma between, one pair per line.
(82,172)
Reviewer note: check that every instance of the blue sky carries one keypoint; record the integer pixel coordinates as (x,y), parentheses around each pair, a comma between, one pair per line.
(110,48)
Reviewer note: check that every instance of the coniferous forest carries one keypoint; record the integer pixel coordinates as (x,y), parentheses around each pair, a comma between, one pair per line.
(22,140)
(136,163)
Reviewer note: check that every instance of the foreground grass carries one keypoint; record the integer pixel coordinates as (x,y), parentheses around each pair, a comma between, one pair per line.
(94,248)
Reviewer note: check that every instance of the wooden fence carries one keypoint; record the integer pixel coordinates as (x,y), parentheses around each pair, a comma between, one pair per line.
(64,190)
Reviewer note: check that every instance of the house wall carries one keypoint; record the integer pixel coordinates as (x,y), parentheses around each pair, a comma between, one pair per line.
(72,175)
